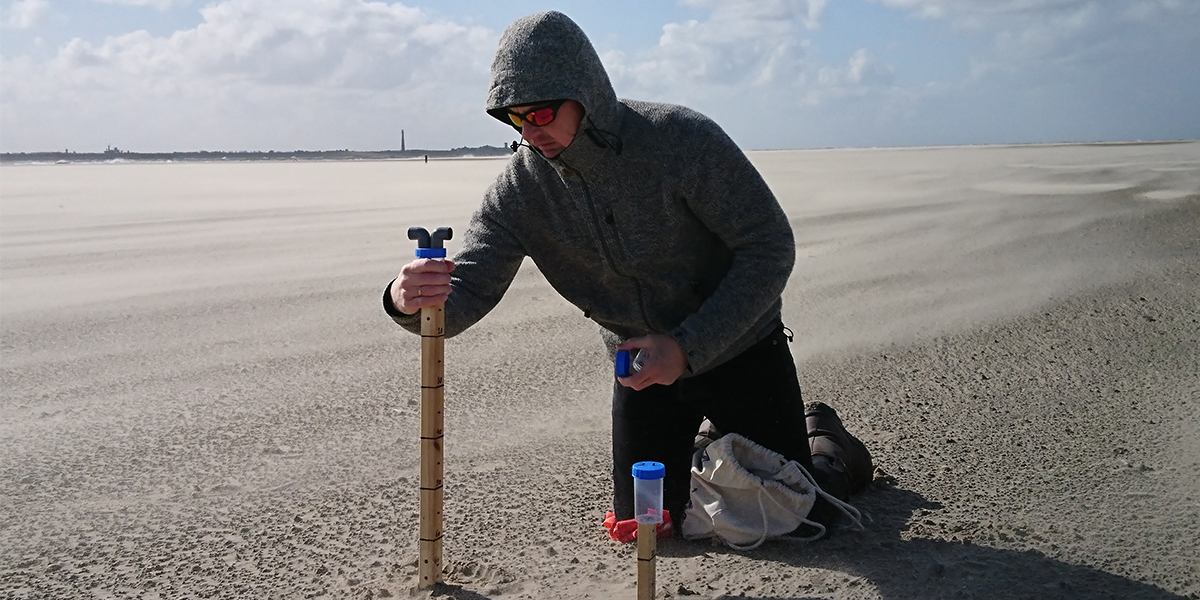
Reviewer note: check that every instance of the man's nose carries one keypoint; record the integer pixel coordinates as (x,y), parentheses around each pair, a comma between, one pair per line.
(529,132)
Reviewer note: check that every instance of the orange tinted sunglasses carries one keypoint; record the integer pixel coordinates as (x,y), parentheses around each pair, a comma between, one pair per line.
(541,115)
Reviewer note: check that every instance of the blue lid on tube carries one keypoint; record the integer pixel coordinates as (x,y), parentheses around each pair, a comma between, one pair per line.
(623,365)
(649,470)
(431,253)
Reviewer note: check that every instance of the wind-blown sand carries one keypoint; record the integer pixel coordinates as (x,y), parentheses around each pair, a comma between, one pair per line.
(201,395)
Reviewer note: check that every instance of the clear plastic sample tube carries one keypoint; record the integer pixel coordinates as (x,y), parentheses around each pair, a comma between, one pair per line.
(648,491)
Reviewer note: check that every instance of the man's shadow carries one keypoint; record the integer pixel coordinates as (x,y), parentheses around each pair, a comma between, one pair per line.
(924,569)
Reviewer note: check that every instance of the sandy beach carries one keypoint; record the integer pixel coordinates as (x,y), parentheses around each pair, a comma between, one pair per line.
(201,397)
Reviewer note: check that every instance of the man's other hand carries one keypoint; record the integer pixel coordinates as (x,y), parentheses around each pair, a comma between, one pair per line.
(663,361)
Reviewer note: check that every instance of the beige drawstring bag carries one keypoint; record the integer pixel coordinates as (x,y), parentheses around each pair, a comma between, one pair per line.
(744,494)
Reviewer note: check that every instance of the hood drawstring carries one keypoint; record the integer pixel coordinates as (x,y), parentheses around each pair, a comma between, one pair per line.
(602,138)
(519,143)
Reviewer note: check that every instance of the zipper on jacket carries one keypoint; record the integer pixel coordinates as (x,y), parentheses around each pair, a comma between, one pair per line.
(610,220)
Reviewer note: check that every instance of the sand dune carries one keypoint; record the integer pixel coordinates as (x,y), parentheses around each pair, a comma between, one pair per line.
(201,397)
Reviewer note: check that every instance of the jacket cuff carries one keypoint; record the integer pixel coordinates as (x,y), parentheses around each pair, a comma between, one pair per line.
(694,357)
(394,312)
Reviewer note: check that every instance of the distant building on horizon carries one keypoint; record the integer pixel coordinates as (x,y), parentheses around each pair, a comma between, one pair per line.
(402,140)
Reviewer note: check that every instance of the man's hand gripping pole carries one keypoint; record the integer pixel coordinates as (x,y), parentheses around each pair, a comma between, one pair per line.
(432,399)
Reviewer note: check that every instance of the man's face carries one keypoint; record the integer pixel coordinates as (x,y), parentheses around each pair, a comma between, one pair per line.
(555,136)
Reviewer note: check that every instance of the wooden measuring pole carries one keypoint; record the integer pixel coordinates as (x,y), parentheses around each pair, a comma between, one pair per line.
(432,400)
(433,338)
(647,538)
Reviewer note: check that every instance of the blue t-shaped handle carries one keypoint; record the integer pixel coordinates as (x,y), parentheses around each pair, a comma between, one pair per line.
(430,246)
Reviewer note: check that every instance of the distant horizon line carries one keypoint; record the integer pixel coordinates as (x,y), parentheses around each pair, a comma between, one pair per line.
(485,150)
(113,150)
(114,153)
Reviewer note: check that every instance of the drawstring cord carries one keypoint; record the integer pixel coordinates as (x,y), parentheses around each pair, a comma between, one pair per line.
(850,511)
(518,144)
(602,138)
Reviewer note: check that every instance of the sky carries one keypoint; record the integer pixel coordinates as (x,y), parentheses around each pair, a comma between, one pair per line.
(184,75)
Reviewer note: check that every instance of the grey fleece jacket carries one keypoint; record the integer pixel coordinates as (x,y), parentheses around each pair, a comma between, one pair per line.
(651,221)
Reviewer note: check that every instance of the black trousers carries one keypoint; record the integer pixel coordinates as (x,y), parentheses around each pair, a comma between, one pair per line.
(756,395)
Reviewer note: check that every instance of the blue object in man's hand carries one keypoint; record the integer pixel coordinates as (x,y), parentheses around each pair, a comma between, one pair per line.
(624,363)
(629,362)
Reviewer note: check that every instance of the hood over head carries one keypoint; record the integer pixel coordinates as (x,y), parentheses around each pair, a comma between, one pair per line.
(546,56)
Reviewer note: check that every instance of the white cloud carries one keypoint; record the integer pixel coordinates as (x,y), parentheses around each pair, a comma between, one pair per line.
(750,12)
(26,14)
(351,73)
(300,73)
(159,4)
(1053,70)
(753,53)
(861,75)
(1059,30)
(861,69)
(336,44)
(742,47)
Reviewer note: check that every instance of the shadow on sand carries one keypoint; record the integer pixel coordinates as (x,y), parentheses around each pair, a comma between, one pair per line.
(923,569)
(448,590)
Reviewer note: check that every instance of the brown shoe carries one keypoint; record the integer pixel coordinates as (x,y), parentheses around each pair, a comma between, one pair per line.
(828,438)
